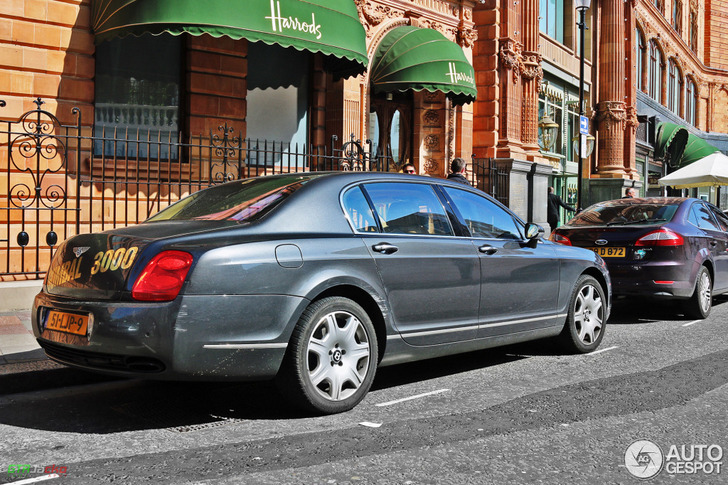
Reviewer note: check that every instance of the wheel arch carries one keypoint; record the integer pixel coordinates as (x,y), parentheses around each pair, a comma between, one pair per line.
(368,303)
(602,280)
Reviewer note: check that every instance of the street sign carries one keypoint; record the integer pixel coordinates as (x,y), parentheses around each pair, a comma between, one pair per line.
(583,125)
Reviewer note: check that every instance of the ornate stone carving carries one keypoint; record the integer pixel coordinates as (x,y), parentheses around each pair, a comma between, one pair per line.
(510,57)
(431,165)
(431,117)
(467,37)
(530,66)
(373,15)
(611,112)
(431,96)
(631,118)
(432,143)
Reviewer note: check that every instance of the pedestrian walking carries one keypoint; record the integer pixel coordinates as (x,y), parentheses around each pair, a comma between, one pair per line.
(552,214)
(458,167)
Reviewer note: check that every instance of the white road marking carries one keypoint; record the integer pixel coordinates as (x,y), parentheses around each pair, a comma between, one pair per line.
(37,479)
(389,403)
(691,323)
(602,350)
(369,424)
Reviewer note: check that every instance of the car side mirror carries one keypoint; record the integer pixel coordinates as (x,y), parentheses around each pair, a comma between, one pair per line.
(534,232)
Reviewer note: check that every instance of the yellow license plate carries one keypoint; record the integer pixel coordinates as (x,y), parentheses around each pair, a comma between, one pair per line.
(610,252)
(67,322)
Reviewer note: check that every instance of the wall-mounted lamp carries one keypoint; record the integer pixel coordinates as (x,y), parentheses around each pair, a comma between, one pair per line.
(589,141)
(549,131)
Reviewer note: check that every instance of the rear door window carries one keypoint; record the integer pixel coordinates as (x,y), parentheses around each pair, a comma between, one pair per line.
(701,217)
(408,208)
(482,217)
(359,211)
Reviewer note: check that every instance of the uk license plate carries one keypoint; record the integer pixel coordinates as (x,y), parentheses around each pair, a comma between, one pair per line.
(67,322)
(610,252)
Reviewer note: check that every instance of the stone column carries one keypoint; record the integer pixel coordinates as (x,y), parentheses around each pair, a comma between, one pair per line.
(510,63)
(611,107)
(532,74)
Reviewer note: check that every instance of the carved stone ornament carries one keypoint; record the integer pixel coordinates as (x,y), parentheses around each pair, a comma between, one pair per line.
(632,121)
(510,57)
(432,143)
(467,37)
(373,15)
(431,117)
(431,166)
(610,112)
(432,96)
(530,66)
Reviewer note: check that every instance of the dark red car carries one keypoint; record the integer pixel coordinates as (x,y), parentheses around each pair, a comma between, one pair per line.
(671,247)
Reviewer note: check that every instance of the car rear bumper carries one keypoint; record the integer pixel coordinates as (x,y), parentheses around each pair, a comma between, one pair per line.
(658,279)
(210,337)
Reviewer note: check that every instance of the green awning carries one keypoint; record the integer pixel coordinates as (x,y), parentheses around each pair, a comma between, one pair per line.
(670,142)
(695,149)
(679,147)
(415,58)
(331,27)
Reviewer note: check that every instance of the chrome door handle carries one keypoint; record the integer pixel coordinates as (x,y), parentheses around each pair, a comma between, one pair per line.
(487,249)
(385,248)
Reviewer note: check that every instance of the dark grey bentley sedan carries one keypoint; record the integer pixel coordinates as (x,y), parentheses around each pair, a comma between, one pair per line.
(315,279)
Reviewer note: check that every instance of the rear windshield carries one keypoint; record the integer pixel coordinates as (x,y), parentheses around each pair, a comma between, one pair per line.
(243,201)
(624,214)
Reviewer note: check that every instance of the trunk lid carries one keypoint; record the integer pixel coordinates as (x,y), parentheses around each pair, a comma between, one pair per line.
(97,266)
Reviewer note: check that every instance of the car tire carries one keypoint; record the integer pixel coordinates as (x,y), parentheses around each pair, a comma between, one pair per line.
(585,320)
(331,358)
(701,302)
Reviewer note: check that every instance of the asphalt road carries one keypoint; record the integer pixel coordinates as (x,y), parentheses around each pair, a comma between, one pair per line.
(521,414)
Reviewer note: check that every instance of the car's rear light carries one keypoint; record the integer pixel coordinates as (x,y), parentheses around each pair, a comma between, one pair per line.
(660,237)
(162,278)
(659,282)
(560,238)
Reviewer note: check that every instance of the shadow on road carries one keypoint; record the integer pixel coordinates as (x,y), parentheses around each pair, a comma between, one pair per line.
(635,311)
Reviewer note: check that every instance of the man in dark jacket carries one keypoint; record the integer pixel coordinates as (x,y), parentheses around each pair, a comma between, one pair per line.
(552,214)
(458,167)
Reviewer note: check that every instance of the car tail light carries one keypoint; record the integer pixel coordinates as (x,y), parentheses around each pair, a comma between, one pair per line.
(560,238)
(660,237)
(163,277)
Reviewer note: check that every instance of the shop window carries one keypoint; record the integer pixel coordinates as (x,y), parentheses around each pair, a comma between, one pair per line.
(677,16)
(551,20)
(277,104)
(674,87)
(137,97)
(640,59)
(655,72)
(691,103)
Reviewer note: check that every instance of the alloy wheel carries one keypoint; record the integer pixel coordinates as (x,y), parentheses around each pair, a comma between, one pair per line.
(338,354)
(588,314)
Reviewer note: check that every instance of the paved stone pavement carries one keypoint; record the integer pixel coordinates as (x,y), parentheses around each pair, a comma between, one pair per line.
(17,343)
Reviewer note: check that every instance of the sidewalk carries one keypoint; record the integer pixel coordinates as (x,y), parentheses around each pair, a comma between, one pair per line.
(17,343)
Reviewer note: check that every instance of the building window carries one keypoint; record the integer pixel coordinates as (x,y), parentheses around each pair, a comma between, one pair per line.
(655,74)
(691,103)
(677,16)
(674,87)
(551,21)
(137,96)
(640,59)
